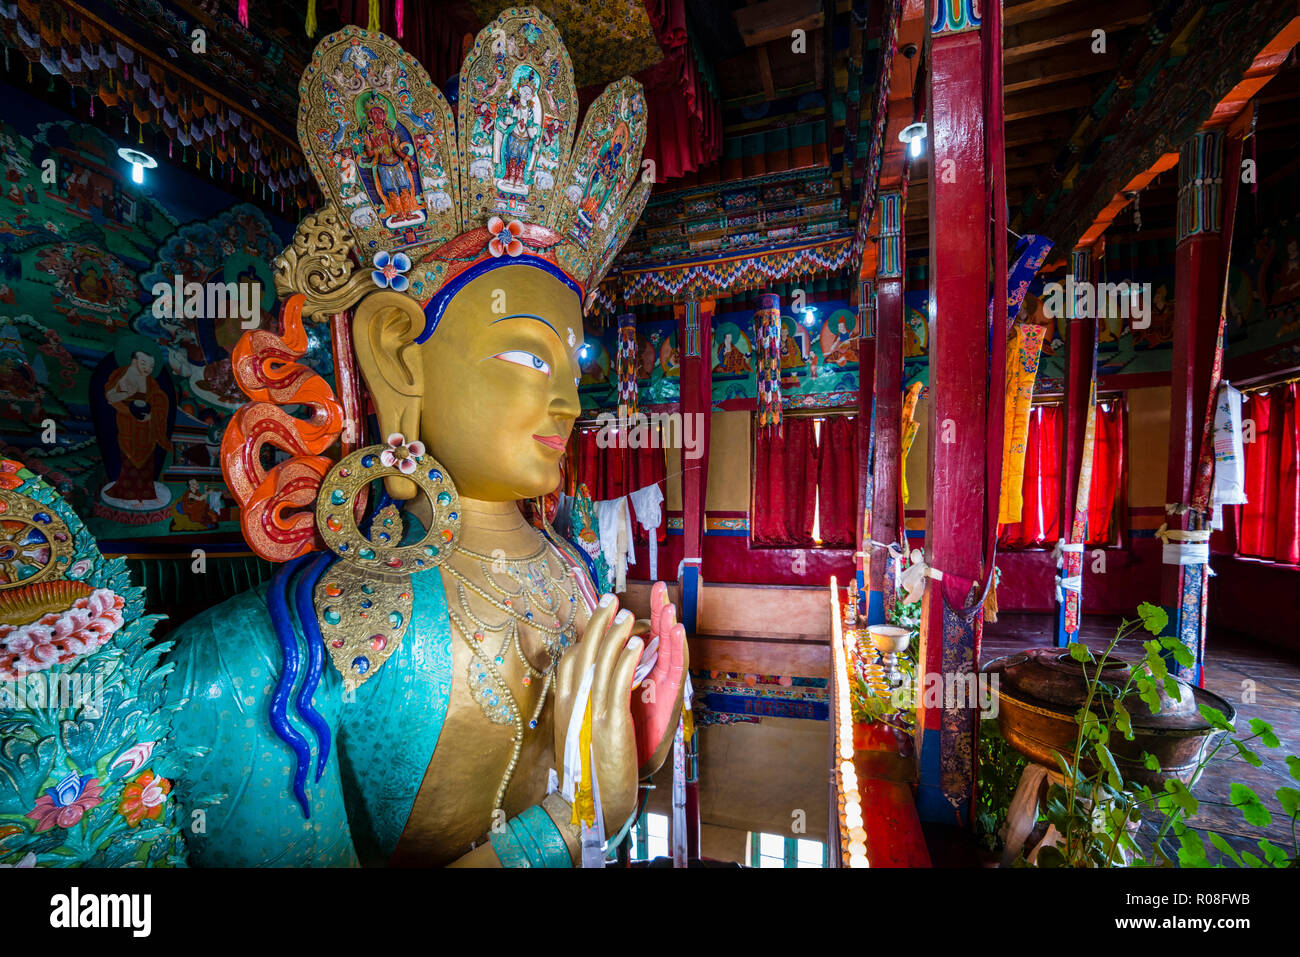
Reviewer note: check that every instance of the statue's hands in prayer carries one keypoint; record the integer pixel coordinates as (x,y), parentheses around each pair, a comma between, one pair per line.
(638,668)
(610,652)
(657,700)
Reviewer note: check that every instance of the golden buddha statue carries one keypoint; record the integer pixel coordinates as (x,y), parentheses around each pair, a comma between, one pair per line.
(444,687)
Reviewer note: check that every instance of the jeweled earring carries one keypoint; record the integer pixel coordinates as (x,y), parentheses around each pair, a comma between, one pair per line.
(363,601)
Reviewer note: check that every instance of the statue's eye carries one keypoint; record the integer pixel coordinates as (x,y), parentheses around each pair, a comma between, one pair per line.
(519,357)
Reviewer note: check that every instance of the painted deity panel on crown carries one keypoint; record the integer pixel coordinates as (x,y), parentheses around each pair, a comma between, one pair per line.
(518,109)
(385,154)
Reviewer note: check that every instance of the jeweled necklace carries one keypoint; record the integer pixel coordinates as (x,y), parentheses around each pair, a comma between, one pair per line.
(487,684)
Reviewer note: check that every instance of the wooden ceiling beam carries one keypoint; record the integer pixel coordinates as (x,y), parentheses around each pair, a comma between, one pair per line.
(1062,99)
(1052,130)
(1031,155)
(765,74)
(776,19)
(1031,10)
(1074,26)
(1033,73)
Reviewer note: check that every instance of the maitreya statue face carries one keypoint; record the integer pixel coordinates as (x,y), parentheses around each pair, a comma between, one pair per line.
(493,393)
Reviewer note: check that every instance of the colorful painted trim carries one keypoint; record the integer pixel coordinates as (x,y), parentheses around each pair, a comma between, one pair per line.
(728,275)
(889,245)
(1200,175)
(692,329)
(867,308)
(955,16)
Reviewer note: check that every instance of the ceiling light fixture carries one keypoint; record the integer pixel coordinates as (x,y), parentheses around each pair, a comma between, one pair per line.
(914,136)
(140,161)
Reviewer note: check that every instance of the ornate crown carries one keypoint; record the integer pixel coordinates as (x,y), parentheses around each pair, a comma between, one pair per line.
(419,204)
(430,203)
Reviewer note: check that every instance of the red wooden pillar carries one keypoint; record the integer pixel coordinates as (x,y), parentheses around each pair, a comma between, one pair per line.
(1198,274)
(1080,371)
(866,433)
(695,351)
(886,521)
(959,364)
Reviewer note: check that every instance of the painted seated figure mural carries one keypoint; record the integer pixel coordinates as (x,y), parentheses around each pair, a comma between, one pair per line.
(402,689)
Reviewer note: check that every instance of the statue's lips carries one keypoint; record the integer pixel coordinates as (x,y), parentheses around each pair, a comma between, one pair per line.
(551,441)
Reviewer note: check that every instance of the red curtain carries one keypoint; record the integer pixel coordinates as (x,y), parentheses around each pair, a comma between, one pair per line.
(433,33)
(837,480)
(684,123)
(1107,474)
(1269,524)
(784,486)
(1040,519)
(614,472)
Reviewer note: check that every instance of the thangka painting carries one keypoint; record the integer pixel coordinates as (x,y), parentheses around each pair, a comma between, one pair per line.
(916,338)
(819,360)
(119,305)
(1264,299)
(1132,297)
(658,367)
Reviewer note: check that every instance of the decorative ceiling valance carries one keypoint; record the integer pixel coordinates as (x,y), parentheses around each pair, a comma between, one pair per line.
(116,70)
(727,275)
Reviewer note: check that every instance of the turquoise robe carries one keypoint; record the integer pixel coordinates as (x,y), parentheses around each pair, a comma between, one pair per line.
(228,661)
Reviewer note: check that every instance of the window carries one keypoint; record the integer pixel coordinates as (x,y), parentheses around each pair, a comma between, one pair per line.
(773,850)
(650,837)
(805,490)
(1040,522)
(1268,526)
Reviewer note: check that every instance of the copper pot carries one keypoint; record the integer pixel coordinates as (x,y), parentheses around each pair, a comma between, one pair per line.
(1039,691)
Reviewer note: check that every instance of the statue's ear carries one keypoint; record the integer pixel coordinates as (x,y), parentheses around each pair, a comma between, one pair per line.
(384,331)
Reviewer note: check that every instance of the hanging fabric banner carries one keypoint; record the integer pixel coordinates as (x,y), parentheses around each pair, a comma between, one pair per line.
(1229,449)
(1031,253)
(1024,349)
(627,387)
(910,397)
(1071,559)
(767,329)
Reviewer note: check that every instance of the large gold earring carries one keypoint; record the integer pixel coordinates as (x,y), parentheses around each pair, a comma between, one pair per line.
(363,601)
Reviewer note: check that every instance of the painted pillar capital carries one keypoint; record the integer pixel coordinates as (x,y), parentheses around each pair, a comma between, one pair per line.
(867,308)
(1200,183)
(1080,272)
(956,16)
(889,244)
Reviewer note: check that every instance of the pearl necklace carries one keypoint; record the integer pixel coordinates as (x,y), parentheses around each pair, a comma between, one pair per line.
(487,684)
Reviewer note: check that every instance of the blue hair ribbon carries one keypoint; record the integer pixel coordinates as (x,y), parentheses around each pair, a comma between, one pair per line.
(436,306)
(292,661)
(303,593)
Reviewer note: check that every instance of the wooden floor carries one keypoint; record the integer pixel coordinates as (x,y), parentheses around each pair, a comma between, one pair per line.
(1261,680)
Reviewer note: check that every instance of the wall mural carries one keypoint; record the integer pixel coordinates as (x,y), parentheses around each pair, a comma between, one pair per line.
(1264,298)
(916,338)
(819,360)
(116,396)
(1263,307)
